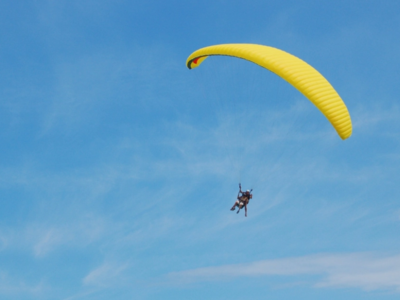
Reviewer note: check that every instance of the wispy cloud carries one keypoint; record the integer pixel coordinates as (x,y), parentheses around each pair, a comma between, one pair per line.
(108,274)
(375,118)
(16,286)
(357,270)
(45,239)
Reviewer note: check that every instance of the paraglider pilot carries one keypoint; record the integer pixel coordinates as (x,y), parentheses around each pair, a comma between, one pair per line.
(243,199)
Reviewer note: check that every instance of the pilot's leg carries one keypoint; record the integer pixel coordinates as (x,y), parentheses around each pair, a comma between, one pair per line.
(234,205)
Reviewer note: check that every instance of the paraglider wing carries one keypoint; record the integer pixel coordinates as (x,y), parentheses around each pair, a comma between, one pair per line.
(295,71)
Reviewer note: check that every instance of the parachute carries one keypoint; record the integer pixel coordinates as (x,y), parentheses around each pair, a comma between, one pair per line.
(294,70)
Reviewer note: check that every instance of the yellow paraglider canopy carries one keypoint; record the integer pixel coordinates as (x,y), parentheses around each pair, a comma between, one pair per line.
(294,70)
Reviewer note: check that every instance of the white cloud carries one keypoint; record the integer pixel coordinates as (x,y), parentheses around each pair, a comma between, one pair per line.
(356,270)
(375,117)
(14,286)
(42,237)
(108,274)
(48,241)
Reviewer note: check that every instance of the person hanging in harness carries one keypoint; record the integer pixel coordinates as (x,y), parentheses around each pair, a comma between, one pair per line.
(243,199)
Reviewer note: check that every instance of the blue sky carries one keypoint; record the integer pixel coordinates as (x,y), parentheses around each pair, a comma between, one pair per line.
(119,165)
